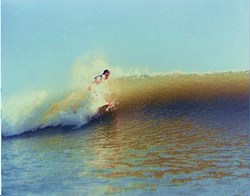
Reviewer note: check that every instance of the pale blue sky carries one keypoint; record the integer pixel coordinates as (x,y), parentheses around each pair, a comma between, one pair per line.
(41,39)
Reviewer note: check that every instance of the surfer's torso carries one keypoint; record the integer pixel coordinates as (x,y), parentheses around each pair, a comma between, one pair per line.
(98,79)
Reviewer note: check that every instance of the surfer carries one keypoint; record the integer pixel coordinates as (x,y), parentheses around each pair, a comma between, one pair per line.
(98,79)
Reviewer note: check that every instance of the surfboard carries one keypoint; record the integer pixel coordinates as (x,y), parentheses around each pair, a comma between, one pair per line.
(106,109)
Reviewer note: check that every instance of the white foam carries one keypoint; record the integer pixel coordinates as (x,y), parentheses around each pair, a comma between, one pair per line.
(42,108)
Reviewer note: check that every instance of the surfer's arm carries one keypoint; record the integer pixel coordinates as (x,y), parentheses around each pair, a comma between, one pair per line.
(97,80)
(91,85)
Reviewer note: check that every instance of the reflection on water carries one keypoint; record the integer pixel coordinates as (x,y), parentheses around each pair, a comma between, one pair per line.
(147,150)
(176,150)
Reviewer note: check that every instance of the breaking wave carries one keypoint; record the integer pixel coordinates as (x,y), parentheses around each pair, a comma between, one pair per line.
(77,107)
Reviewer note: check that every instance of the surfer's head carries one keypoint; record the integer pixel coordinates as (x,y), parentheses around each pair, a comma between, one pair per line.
(106,73)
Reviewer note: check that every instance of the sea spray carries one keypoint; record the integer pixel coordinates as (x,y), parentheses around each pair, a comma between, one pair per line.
(74,105)
(23,112)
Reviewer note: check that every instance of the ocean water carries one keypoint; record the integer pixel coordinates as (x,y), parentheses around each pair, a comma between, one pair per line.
(173,134)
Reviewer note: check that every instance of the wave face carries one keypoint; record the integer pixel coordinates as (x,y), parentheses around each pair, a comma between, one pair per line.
(40,109)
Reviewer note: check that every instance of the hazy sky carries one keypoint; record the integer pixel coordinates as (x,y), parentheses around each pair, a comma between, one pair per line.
(41,39)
